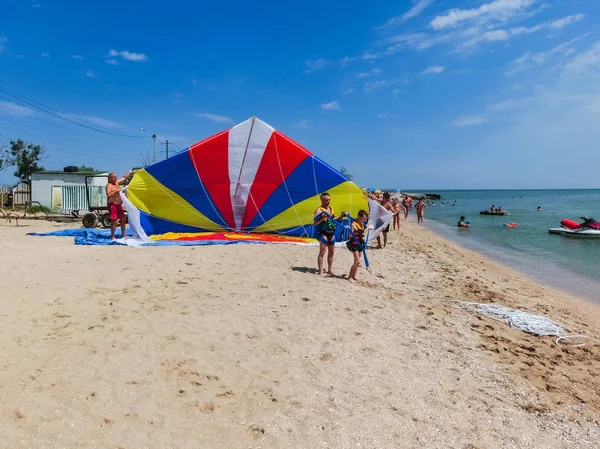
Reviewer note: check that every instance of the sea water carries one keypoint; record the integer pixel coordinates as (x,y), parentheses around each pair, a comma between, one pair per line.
(570,264)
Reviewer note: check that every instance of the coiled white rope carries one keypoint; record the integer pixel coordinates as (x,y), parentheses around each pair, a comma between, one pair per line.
(525,321)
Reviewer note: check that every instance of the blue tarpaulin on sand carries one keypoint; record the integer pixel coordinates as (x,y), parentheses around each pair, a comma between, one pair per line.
(101,237)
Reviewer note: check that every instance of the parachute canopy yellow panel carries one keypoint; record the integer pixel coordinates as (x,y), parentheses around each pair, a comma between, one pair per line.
(250,178)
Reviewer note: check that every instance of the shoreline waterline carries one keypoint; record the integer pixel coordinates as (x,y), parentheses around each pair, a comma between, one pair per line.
(543,272)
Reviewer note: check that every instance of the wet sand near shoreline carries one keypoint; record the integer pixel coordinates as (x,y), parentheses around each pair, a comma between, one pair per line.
(244,346)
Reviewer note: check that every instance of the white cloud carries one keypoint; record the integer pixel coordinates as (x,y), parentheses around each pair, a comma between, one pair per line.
(496,35)
(112,61)
(347,60)
(504,35)
(90,74)
(436,69)
(317,64)
(94,120)
(382,115)
(369,56)
(3,42)
(348,91)
(372,85)
(214,117)
(497,10)
(586,63)
(79,58)
(15,109)
(331,106)
(531,60)
(507,105)
(396,91)
(567,21)
(417,9)
(471,120)
(36,5)
(303,124)
(128,56)
(411,39)
(372,72)
(45,55)
(194,82)
(420,6)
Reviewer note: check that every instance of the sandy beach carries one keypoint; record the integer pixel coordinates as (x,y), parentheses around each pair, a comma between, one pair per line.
(243,346)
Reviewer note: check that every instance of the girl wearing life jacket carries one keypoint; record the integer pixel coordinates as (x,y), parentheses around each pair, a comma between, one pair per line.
(357,242)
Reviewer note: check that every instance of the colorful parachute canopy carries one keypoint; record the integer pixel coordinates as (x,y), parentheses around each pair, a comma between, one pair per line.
(250,178)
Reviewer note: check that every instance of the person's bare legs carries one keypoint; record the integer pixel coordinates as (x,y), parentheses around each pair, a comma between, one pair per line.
(379,242)
(322,249)
(123,226)
(330,250)
(113,227)
(384,238)
(354,267)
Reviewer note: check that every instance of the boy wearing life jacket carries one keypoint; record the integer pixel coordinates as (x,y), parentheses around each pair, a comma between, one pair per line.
(356,243)
(325,227)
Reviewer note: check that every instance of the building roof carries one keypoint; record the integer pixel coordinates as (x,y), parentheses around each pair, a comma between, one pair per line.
(61,172)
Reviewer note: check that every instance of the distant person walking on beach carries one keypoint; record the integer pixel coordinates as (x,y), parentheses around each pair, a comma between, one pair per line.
(397,207)
(385,202)
(115,203)
(406,204)
(420,211)
(325,232)
(357,247)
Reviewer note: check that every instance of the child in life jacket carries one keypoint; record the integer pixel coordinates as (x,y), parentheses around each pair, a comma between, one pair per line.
(357,242)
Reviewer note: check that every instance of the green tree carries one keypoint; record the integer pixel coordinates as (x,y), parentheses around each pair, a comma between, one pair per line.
(25,156)
(85,168)
(344,172)
(5,159)
(145,159)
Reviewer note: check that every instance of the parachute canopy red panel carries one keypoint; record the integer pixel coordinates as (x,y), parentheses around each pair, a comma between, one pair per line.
(250,178)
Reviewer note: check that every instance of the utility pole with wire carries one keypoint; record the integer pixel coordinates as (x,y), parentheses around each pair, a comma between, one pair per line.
(154,146)
(166,143)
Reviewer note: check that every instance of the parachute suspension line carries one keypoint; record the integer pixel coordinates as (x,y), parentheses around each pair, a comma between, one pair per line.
(525,321)
(315,175)
(286,188)
(166,192)
(225,225)
(237,185)
(244,180)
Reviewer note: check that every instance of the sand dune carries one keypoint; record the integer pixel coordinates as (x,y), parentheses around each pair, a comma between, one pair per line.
(244,346)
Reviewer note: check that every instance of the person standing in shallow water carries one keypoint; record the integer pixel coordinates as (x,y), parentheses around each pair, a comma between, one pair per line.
(115,203)
(420,211)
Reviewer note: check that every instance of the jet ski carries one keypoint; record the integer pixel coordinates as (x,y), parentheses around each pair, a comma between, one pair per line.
(588,228)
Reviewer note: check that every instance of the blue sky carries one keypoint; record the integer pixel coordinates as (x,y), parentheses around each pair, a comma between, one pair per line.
(425,94)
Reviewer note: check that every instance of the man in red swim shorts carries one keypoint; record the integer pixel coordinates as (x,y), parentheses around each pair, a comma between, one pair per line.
(115,203)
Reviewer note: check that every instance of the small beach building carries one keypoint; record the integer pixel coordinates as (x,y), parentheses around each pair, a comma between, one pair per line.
(65,191)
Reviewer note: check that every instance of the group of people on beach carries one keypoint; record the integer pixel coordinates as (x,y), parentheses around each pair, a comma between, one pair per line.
(325,224)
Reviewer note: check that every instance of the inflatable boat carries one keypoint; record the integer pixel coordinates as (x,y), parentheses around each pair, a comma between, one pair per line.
(487,212)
